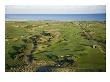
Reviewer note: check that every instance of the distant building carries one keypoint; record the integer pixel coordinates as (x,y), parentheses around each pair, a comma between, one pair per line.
(94,46)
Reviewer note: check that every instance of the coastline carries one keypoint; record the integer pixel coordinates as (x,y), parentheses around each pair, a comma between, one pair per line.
(55,17)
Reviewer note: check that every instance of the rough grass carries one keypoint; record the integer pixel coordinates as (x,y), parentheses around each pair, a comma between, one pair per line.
(69,42)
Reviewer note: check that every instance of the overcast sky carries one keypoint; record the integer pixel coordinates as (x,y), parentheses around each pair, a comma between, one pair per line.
(21,9)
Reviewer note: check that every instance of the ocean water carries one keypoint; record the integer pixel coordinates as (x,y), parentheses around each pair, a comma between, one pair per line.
(56,17)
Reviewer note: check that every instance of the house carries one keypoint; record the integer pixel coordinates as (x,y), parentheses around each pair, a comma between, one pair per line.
(94,46)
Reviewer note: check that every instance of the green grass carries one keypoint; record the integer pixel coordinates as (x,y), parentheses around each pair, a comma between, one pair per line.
(69,42)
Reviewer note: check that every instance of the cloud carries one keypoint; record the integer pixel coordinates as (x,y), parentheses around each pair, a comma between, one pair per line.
(58,9)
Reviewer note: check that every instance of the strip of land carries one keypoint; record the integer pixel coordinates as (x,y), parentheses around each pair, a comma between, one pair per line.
(55,46)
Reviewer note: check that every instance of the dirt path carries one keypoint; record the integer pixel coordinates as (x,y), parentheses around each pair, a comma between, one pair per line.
(28,56)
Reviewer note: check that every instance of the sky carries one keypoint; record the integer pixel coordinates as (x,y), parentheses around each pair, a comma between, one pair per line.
(58,9)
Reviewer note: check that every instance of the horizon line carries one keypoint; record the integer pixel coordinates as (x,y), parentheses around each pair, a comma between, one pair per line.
(55,13)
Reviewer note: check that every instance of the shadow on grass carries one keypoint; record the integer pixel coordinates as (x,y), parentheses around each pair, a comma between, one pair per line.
(60,62)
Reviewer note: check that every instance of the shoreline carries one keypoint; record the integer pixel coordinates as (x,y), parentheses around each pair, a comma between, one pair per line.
(56,20)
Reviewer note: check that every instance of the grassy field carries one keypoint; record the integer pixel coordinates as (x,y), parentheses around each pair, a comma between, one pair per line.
(55,46)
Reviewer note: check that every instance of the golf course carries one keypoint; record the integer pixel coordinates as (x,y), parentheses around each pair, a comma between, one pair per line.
(55,46)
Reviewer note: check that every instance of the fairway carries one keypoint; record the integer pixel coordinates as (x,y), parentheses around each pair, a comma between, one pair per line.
(55,46)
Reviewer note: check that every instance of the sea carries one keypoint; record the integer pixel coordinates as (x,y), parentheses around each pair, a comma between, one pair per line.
(55,17)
